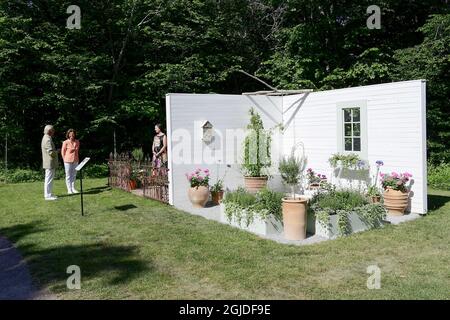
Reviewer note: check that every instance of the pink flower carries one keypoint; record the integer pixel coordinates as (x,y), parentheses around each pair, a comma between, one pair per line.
(395,175)
(407,174)
(206,170)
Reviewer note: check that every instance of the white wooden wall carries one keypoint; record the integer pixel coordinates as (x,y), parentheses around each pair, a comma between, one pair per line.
(395,117)
(396,129)
(224,112)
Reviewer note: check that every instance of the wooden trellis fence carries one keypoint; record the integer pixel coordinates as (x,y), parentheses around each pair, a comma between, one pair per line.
(151,182)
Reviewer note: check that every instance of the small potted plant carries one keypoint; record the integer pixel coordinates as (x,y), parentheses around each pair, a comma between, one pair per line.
(294,208)
(217,192)
(396,192)
(198,192)
(315,180)
(373,192)
(256,154)
(133,180)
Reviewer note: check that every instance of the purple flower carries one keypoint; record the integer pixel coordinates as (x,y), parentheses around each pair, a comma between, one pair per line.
(379,163)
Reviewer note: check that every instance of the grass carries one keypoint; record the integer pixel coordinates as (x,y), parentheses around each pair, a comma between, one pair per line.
(132,248)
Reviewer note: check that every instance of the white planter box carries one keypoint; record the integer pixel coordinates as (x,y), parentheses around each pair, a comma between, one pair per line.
(258,226)
(332,232)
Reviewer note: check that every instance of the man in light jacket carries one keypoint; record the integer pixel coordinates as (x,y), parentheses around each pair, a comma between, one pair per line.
(49,161)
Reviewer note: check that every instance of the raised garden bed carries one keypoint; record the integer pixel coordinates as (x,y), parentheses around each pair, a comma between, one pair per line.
(258,225)
(331,230)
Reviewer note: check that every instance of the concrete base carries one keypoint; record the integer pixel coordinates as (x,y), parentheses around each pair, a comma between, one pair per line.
(213,212)
(404,218)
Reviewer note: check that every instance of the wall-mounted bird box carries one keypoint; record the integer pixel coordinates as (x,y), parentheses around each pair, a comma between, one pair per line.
(208,132)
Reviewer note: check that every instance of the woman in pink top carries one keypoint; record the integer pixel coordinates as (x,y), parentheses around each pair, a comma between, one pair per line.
(69,153)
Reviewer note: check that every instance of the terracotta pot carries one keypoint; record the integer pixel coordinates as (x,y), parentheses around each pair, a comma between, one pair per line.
(294,218)
(254,184)
(198,196)
(395,201)
(132,184)
(217,197)
(375,199)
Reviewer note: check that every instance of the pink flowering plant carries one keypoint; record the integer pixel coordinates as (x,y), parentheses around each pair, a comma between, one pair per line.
(313,177)
(396,181)
(198,178)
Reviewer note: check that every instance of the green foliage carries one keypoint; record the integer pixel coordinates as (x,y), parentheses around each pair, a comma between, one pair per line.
(338,200)
(270,202)
(113,74)
(291,169)
(96,171)
(21,175)
(342,204)
(439,176)
(256,147)
(138,154)
(217,186)
(348,161)
(242,206)
(373,191)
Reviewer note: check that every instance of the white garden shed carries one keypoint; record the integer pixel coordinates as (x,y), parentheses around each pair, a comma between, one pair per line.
(207,130)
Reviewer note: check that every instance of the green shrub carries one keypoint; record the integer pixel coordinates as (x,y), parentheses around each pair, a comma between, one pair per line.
(338,200)
(96,171)
(270,202)
(22,175)
(244,206)
(439,176)
(241,197)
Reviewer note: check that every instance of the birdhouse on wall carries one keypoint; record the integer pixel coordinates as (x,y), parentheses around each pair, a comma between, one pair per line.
(208,132)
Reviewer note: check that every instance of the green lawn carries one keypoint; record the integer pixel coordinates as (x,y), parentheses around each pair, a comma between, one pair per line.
(133,248)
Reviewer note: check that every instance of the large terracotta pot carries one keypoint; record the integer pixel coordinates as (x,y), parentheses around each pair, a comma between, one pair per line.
(198,196)
(216,197)
(395,201)
(294,218)
(254,184)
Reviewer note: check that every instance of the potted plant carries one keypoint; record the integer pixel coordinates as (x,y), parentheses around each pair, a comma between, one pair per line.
(294,208)
(373,193)
(217,192)
(198,192)
(396,192)
(133,180)
(256,154)
(314,180)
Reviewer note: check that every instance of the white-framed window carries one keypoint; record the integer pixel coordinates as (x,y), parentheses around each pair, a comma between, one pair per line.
(352,127)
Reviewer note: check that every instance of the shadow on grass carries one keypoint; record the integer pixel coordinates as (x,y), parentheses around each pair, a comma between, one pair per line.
(437,201)
(115,264)
(125,207)
(90,191)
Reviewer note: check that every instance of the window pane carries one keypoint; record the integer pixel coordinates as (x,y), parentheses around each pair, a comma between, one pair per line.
(348,130)
(348,144)
(347,115)
(357,144)
(356,116)
(356,129)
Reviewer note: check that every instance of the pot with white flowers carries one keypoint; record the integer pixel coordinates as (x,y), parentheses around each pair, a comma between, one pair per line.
(396,188)
(198,192)
(294,207)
